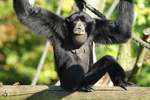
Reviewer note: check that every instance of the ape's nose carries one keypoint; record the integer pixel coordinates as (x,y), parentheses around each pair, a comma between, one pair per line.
(80,26)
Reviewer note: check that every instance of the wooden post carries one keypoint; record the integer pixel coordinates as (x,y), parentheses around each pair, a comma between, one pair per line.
(57,93)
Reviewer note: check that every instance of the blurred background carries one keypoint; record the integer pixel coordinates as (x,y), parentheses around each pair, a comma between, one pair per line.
(20,50)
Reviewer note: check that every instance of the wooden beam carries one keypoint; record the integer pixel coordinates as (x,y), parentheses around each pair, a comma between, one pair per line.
(57,93)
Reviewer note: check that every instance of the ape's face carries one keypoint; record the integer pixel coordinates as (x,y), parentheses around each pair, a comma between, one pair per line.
(79,23)
(79,27)
(79,35)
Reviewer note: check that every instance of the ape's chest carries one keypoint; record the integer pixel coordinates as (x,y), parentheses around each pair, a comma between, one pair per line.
(82,52)
(82,55)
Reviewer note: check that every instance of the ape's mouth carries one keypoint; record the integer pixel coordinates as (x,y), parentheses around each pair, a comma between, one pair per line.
(78,31)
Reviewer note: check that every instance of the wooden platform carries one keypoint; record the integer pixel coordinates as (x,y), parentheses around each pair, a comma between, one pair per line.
(57,93)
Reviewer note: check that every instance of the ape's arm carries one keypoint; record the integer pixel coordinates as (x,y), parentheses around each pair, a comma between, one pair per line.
(40,20)
(80,4)
(109,31)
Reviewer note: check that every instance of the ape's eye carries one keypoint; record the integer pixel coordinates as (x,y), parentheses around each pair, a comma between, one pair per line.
(84,23)
(74,22)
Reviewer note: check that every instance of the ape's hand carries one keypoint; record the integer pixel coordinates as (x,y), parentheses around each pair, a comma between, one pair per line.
(80,1)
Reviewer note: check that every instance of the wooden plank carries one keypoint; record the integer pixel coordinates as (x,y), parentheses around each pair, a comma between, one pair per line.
(57,93)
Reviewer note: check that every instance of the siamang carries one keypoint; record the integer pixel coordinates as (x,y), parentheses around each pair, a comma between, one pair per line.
(72,39)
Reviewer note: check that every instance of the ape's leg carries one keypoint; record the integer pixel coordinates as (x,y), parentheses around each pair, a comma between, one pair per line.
(106,64)
(72,77)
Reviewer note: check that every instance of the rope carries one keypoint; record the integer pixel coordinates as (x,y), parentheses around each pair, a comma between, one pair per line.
(143,43)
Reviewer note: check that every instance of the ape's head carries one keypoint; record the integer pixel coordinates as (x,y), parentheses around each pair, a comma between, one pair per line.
(80,25)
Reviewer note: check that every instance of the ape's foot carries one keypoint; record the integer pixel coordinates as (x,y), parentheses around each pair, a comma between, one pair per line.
(124,84)
(86,89)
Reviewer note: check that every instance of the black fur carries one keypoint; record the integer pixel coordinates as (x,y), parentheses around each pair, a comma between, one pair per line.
(75,64)
(80,4)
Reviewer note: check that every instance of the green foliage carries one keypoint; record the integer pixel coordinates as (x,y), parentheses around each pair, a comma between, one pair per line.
(20,49)
(5,7)
(143,77)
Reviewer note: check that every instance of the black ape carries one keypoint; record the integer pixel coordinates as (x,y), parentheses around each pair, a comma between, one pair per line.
(72,39)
